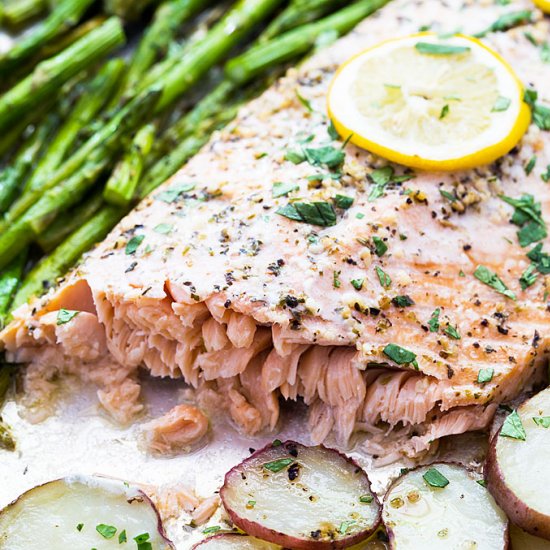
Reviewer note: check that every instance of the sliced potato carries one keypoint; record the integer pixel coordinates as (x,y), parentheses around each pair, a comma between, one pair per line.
(228,541)
(517,468)
(81,512)
(301,497)
(443,506)
(524,541)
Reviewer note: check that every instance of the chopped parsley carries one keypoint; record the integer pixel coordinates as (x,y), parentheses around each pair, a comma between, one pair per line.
(444,111)
(434,478)
(545,176)
(79,527)
(343,201)
(402,301)
(380,177)
(278,465)
(543,421)
(281,189)
(541,113)
(305,102)
(513,427)
(251,504)
(380,247)
(344,526)
(506,22)
(531,164)
(133,244)
(528,277)
(142,542)
(122,538)
(211,530)
(482,482)
(336,279)
(366,499)
(485,375)
(106,531)
(314,213)
(332,132)
(163,228)
(66,315)
(527,215)
(400,355)
(276,443)
(357,283)
(328,156)
(488,277)
(541,259)
(440,49)
(383,277)
(447,195)
(173,193)
(501,104)
(296,157)
(452,332)
(433,323)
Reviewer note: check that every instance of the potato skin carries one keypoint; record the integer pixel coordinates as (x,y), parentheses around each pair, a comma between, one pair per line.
(389,532)
(286,541)
(523,516)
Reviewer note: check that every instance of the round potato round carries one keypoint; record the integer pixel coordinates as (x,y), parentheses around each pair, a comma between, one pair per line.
(81,512)
(443,506)
(517,465)
(301,497)
(233,541)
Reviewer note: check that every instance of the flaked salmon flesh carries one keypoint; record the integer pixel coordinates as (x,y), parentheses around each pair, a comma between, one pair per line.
(252,308)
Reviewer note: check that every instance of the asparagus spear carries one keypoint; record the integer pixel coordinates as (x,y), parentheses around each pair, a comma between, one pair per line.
(65,15)
(51,74)
(19,12)
(95,95)
(125,177)
(68,222)
(71,181)
(169,17)
(10,278)
(214,46)
(47,271)
(299,12)
(247,66)
(13,175)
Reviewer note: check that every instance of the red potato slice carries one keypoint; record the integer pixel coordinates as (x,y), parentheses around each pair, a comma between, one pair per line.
(301,497)
(443,506)
(233,541)
(524,541)
(81,512)
(517,469)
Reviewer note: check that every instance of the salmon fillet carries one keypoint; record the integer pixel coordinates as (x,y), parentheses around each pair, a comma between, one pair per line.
(205,280)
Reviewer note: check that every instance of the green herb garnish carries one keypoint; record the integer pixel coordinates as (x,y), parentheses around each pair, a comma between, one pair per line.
(278,465)
(305,102)
(328,156)
(501,104)
(383,277)
(106,531)
(528,277)
(343,201)
(440,49)
(296,157)
(485,375)
(380,177)
(134,243)
(314,213)
(281,189)
(344,526)
(163,228)
(433,323)
(400,355)
(380,247)
(482,482)
(402,301)
(332,132)
(488,277)
(79,527)
(336,279)
(444,111)
(513,427)
(66,315)
(452,332)
(506,22)
(357,283)
(543,421)
(447,195)
(173,193)
(143,543)
(122,538)
(366,499)
(530,165)
(434,478)
(541,259)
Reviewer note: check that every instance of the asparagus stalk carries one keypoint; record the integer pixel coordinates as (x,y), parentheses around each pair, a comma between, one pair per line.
(74,177)
(19,12)
(214,46)
(10,278)
(51,74)
(65,15)
(289,45)
(298,13)
(68,222)
(13,175)
(187,148)
(95,95)
(47,271)
(122,184)
(169,17)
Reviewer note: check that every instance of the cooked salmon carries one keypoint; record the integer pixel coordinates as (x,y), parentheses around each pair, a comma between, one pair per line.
(394,304)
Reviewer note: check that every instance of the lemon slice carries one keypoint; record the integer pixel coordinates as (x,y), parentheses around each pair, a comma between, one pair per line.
(544,5)
(430,103)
